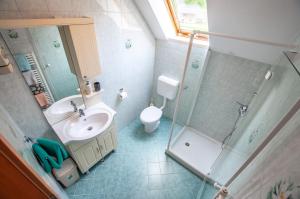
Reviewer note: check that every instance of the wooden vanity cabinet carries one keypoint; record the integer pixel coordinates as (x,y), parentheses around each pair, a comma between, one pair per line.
(107,142)
(87,155)
(88,152)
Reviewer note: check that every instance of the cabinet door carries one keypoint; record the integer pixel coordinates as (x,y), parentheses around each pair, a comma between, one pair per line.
(108,141)
(88,155)
(102,145)
(82,46)
(113,133)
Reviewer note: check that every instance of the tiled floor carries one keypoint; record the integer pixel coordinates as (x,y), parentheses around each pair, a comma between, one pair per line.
(139,169)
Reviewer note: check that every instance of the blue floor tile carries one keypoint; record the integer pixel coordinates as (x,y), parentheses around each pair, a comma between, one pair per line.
(140,169)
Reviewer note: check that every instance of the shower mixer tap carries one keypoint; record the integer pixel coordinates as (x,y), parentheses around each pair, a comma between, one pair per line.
(242,112)
(243,108)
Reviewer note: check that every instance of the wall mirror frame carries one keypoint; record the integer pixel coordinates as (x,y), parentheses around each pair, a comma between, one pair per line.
(78,39)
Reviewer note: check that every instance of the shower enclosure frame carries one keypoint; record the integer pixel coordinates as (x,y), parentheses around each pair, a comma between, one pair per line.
(265,142)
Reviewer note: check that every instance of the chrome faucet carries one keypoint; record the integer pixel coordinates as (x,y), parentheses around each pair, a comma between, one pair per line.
(74,106)
(81,112)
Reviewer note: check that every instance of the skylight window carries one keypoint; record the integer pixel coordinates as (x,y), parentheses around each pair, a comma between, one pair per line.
(188,15)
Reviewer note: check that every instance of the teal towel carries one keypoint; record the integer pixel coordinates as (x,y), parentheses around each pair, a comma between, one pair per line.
(46,161)
(42,157)
(53,148)
(22,62)
(50,153)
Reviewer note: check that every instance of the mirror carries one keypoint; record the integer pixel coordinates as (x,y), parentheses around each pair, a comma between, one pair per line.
(40,56)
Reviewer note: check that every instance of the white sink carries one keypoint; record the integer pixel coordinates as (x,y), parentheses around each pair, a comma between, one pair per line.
(92,124)
(62,108)
(97,119)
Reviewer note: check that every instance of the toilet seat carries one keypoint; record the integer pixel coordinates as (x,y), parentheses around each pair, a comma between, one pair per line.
(151,114)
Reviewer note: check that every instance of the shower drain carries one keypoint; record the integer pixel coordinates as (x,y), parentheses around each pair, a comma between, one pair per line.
(187,144)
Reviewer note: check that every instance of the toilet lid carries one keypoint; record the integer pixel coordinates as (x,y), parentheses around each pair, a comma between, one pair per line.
(151,114)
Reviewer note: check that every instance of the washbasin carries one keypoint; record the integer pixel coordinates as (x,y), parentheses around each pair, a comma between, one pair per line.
(92,124)
(63,106)
(62,109)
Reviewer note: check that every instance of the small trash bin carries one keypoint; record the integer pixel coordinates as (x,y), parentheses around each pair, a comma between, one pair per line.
(68,173)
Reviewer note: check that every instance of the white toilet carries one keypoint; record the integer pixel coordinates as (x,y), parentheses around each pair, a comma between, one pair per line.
(151,115)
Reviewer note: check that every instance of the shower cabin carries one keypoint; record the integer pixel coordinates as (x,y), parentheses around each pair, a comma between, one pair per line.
(227,110)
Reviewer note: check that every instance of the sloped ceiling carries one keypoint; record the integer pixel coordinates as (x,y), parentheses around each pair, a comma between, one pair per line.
(270,20)
(157,17)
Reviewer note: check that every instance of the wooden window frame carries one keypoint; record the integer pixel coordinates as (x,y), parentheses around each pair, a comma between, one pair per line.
(180,32)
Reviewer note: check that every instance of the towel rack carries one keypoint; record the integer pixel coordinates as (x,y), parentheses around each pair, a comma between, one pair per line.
(36,70)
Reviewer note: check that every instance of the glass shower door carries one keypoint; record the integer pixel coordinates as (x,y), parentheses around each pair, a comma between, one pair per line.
(274,99)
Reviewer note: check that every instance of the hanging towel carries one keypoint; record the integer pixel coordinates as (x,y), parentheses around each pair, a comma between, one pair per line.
(42,157)
(50,153)
(42,100)
(29,77)
(53,148)
(22,62)
(46,161)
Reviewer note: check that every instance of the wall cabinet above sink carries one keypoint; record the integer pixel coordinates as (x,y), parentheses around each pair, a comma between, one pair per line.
(81,49)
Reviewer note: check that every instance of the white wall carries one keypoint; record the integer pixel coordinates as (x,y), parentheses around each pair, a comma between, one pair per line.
(116,21)
(228,79)
(169,61)
(270,20)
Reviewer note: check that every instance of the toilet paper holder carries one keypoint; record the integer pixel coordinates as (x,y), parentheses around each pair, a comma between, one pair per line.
(122,94)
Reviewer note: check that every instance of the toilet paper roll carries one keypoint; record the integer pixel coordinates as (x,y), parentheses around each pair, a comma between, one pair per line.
(123,95)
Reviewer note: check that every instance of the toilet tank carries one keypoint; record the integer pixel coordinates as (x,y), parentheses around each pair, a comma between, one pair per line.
(167,87)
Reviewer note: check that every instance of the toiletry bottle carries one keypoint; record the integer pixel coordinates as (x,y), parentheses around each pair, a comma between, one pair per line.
(97,86)
(88,88)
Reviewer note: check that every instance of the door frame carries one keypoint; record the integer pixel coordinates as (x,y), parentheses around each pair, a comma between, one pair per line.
(21,166)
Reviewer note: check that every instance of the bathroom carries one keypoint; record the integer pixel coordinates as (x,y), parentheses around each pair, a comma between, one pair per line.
(229,122)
